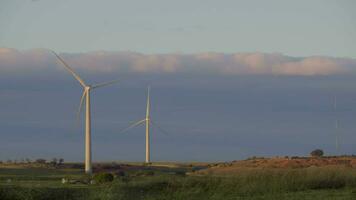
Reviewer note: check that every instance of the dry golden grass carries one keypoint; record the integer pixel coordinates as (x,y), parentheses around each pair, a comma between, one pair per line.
(234,167)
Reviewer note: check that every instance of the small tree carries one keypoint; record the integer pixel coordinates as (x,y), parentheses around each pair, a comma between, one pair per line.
(54,162)
(41,161)
(60,161)
(28,160)
(317,153)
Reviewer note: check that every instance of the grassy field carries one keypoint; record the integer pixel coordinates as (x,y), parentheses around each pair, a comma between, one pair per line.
(170,183)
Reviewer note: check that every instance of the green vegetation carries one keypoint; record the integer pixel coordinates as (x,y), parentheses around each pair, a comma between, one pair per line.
(308,183)
(103,177)
(317,153)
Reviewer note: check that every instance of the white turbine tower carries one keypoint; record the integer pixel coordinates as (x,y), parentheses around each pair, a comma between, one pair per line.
(148,127)
(86,94)
(148,121)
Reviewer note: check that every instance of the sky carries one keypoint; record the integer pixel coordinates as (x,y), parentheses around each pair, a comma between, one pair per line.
(295,28)
(229,79)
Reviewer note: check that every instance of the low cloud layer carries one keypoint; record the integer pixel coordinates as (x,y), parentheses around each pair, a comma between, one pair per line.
(15,61)
(199,99)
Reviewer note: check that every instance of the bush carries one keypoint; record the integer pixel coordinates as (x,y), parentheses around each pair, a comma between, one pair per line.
(60,161)
(317,153)
(103,177)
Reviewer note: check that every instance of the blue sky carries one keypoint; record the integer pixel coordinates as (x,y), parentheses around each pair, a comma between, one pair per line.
(296,28)
(230,79)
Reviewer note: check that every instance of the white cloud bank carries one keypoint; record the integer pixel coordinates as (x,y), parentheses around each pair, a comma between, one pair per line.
(14,61)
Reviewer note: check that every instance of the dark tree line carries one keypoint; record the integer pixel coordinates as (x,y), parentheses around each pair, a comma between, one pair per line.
(53,162)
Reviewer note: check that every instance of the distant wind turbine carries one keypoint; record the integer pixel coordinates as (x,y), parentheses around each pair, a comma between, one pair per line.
(337,124)
(86,94)
(147,121)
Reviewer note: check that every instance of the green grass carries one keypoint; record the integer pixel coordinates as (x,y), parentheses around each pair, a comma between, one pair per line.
(310,183)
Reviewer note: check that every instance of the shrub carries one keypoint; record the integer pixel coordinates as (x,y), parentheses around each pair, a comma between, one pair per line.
(103,177)
(60,161)
(317,153)
(54,162)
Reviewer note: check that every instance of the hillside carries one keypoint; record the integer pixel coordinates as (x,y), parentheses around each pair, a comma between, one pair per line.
(230,168)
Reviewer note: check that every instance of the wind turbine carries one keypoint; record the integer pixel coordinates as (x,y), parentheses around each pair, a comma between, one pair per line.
(337,125)
(86,94)
(148,121)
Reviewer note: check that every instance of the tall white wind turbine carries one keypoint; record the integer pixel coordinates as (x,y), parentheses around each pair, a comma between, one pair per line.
(148,121)
(86,94)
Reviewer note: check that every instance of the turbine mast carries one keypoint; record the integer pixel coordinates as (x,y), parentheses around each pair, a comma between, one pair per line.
(148,127)
(88,167)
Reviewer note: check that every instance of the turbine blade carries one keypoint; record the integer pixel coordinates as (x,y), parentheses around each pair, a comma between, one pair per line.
(133,125)
(105,84)
(80,105)
(159,128)
(70,69)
